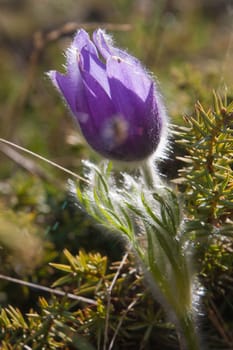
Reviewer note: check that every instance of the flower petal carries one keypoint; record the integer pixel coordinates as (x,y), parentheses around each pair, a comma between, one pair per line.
(105,45)
(136,138)
(65,86)
(82,40)
(74,95)
(95,68)
(101,108)
(129,89)
(98,99)
(133,94)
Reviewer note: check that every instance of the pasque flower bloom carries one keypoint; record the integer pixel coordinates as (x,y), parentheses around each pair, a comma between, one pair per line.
(113,98)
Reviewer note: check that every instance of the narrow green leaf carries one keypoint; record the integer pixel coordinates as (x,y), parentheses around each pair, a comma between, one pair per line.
(61,267)
(64,280)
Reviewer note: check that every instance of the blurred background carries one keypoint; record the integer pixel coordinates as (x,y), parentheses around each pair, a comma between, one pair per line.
(188,45)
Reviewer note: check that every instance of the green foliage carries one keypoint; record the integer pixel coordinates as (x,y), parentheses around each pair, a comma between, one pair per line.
(150,220)
(206,183)
(207,179)
(65,323)
(208,174)
(36,223)
(87,270)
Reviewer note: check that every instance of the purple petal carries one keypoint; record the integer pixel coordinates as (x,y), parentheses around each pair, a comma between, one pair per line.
(73,94)
(65,86)
(105,45)
(97,94)
(82,40)
(100,104)
(71,85)
(129,89)
(95,68)
(133,94)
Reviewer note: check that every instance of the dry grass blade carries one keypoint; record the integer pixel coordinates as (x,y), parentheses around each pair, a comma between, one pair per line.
(44,159)
(49,290)
(131,305)
(109,292)
(219,324)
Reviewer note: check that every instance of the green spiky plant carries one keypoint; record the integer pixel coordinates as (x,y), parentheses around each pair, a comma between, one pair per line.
(207,175)
(207,178)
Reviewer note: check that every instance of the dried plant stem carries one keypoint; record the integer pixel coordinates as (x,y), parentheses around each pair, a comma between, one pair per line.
(219,324)
(131,305)
(109,292)
(49,290)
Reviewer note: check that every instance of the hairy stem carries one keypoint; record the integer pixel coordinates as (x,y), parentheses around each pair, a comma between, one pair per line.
(149,174)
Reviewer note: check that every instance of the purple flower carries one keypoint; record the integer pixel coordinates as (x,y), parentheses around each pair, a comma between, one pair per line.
(113,98)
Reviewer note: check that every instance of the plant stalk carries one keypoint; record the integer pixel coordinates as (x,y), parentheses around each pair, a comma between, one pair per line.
(149,174)
(187,333)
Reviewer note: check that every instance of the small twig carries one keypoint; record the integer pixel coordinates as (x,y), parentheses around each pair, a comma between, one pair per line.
(49,290)
(109,292)
(218,323)
(131,305)
(44,159)
(71,27)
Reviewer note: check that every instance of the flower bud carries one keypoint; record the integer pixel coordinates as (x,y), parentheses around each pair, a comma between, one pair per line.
(113,98)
